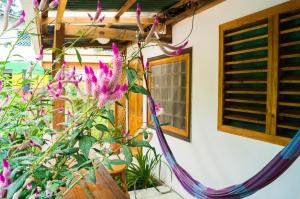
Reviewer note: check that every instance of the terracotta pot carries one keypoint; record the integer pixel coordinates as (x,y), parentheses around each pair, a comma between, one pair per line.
(115,147)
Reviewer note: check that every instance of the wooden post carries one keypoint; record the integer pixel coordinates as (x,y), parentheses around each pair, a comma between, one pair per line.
(58,105)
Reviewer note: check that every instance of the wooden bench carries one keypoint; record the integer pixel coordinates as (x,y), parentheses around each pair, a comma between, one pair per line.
(105,188)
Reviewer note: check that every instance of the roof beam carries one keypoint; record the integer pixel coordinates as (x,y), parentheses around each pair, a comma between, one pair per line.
(100,32)
(124,8)
(60,13)
(86,20)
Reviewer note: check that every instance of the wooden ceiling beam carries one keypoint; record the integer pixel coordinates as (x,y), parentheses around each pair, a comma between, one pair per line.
(107,20)
(100,32)
(124,8)
(60,13)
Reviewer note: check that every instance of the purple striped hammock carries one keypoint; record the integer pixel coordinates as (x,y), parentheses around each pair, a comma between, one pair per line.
(279,164)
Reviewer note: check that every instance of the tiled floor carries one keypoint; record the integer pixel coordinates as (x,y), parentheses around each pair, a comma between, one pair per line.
(152,193)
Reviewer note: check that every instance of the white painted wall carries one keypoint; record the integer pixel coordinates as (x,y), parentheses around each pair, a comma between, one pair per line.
(220,159)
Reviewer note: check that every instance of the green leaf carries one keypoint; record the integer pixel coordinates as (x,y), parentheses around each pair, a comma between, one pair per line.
(85,144)
(78,56)
(127,154)
(69,151)
(141,143)
(138,89)
(91,177)
(131,75)
(117,162)
(102,128)
(16,185)
(111,116)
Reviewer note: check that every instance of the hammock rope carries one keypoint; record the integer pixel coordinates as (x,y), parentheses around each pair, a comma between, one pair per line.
(278,165)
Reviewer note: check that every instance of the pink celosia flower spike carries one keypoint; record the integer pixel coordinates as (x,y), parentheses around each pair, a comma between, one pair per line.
(117,67)
(6,169)
(35,4)
(138,17)
(53,4)
(88,81)
(98,11)
(153,29)
(19,21)
(4,102)
(8,5)
(5,17)
(1,85)
(41,55)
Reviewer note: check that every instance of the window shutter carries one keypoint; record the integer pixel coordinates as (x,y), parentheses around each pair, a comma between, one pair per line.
(245,78)
(288,119)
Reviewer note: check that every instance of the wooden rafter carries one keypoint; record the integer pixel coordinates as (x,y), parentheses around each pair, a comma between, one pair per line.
(124,8)
(86,20)
(100,32)
(60,13)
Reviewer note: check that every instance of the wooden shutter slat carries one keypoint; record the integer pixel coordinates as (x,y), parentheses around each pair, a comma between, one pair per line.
(290,56)
(244,119)
(246,109)
(246,51)
(246,30)
(247,101)
(246,40)
(246,91)
(290,18)
(290,30)
(246,81)
(287,44)
(246,61)
(290,113)
(293,104)
(290,68)
(289,126)
(238,71)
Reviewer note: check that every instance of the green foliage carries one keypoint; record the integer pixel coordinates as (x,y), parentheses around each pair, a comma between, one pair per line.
(140,175)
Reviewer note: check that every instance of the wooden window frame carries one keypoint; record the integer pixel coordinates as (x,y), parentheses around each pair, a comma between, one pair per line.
(186,55)
(272,14)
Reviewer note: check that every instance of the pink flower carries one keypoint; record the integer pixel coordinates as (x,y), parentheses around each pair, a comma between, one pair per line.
(6,169)
(8,5)
(29,187)
(1,85)
(88,81)
(97,14)
(48,193)
(35,4)
(41,55)
(98,11)
(117,67)
(158,109)
(19,21)
(153,29)
(53,4)
(4,102)
(138,17)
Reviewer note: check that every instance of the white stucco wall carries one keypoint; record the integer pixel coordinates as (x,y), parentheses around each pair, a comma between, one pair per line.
(220,159)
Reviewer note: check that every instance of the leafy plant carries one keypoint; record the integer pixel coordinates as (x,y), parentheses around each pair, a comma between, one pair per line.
(140,174)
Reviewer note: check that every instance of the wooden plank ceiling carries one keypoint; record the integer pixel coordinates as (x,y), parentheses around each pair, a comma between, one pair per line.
(118,28)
